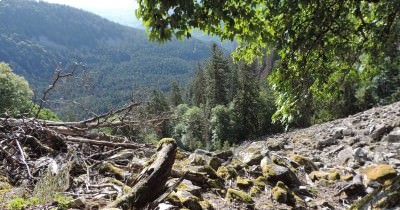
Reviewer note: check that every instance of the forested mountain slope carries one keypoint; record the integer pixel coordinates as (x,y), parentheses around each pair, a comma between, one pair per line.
(35,37)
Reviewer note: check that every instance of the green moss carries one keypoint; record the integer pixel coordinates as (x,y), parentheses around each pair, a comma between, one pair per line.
(260,181)
(318,175)
(209,171)
(243,183)
(115,181)
(333,175)
(174,199)
(165,140)
(380,172)
(113,170)
(255,190)
(226,172)
(309,166)
(17,204)
(20,203)
(205,205)
(346,177)
(268,170)
(280,194)
(180,155)
(63,202)
(213,183)
(238,195)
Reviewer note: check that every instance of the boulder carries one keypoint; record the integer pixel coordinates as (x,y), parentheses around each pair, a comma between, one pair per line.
(275,173)
(394,136)
(188,200)
(238,195)
(226,172)
(243,183)
(308,165)
(378,131)
(282,194)
(224,155)
(378,173)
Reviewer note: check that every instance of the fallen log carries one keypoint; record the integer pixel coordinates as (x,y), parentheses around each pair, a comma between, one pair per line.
(105,143)
(150,183)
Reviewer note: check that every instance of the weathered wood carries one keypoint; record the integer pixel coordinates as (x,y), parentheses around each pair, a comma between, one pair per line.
(150,183)
(104,143)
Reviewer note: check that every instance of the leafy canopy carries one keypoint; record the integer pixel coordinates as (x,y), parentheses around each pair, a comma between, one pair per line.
(320,43)
(15,94)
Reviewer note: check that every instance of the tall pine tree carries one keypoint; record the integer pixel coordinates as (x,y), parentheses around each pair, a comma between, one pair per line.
(176,95)
(217,74)
(246,101)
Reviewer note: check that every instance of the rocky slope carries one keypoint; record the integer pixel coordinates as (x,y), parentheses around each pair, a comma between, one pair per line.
(350,163)
(326,166)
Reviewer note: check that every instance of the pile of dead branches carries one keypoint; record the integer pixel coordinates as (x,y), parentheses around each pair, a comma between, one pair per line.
(74,158)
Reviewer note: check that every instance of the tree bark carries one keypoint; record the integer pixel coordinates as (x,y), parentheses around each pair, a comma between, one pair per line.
(150,184)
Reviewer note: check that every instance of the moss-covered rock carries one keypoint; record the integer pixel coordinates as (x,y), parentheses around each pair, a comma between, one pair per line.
(319,175)
(188,200)
(379,173)
(209,171)
(385,197)
(188,186)
(275,173)
(174,199)
(255,190)
(215,183)
(283,194)
(333,175)
(347,178)
(243,183)
(280,192)
(238,195)
(309,166)
(260,181)
(226,172)
(205,205)
(214,162)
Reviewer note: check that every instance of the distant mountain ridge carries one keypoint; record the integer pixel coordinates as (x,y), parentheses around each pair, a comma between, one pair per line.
(36,36)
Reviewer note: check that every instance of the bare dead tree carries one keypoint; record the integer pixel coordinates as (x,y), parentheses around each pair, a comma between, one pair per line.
(59,74)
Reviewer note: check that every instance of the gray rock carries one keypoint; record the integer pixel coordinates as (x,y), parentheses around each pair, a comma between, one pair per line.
(378,131)
(345,156)
(394,136)
(325,142)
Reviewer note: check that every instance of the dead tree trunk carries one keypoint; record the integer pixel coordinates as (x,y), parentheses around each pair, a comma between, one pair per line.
(150,184)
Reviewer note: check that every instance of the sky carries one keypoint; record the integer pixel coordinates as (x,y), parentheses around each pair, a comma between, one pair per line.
(121,11)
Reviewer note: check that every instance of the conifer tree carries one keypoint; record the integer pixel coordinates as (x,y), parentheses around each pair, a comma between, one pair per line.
(217,72)
(198,87)
(246,101)
(176,95)
(158,103)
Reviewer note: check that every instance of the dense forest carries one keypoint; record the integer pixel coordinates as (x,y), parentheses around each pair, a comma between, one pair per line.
(36,38)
